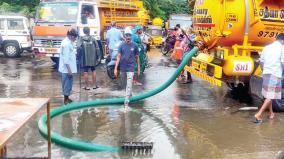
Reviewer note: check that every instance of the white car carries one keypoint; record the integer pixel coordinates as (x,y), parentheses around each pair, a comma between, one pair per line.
(16,36)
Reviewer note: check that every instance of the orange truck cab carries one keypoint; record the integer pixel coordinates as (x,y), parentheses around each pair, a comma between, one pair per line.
(55,17)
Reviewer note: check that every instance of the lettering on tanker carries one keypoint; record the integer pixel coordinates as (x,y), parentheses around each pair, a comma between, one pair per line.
(199,2)
(231,17)
(272,14)
(242,67)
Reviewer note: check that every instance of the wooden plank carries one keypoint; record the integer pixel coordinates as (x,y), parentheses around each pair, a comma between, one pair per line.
(15,113)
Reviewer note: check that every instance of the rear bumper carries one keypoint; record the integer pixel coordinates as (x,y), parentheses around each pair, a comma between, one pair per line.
(46,52)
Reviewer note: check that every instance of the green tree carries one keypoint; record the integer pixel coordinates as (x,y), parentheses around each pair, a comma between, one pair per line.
(25,7)
(163,8)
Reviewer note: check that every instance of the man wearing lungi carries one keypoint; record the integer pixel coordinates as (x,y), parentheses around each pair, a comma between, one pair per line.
(272,64)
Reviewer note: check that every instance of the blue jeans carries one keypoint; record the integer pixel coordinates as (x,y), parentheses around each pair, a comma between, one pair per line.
(67,82)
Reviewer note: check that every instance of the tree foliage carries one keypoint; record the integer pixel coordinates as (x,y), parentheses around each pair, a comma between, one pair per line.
(25,7)
(163,8)
(157,8)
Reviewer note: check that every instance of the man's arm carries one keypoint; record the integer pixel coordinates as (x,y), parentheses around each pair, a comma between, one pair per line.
(282,58)
(138,64)
(261,60)
(116,64)
(137,60)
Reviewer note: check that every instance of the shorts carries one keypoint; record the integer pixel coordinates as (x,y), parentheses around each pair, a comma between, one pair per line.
(271,87)
(87,68)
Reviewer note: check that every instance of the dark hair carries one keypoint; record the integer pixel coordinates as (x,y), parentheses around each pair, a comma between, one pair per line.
(72,32)
(280,36)
(86,30)
(178,25)
(113,23)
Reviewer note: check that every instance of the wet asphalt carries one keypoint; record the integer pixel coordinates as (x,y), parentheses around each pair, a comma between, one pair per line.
(186,121)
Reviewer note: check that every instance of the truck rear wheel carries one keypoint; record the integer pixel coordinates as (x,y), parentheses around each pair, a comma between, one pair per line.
(241,92)
(11,50)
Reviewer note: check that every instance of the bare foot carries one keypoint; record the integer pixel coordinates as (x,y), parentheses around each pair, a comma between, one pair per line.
(271,116)
(257,117)
(126,108)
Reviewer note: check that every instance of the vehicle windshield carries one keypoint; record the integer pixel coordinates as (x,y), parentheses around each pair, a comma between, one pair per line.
(58,12)
(155,32)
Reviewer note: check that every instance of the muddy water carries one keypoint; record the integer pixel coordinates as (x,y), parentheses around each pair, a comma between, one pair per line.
(185,121)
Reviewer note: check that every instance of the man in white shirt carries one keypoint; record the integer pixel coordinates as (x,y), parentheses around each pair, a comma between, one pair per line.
(272,64)
(114,37)
(67,64)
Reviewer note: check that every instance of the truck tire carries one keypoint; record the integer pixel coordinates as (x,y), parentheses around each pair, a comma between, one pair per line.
(11,49)
(110,72)
(241,92)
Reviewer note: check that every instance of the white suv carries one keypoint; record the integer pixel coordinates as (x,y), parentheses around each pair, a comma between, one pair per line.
(15,34)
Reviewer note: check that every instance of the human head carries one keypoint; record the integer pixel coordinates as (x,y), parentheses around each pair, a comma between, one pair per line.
(178,25)
(180,37)
(127,37)
(72,34)
(138,29)
(113,24)
(86,30)
(280,38)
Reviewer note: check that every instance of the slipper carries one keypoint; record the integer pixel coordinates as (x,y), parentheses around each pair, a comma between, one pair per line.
(87,88)
(96,87)
(257,121)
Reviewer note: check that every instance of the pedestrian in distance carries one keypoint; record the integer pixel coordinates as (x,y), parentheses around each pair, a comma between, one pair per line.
(67,64)
(179,48)
(114,37)
(89,53)
(136,33)
(128,56)
(272,64)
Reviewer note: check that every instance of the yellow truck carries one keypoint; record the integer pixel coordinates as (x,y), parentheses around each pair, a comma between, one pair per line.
(234,33)
(55,17)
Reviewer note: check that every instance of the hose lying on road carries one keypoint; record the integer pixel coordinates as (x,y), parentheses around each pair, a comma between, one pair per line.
(83,146)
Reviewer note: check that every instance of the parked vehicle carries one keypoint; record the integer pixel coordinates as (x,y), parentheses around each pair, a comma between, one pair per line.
(15,35)
(110,63)
(54,18)
(168,44)
(184,20)
(156,33)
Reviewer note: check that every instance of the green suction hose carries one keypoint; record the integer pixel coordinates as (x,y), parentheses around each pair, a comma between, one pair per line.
(83,146)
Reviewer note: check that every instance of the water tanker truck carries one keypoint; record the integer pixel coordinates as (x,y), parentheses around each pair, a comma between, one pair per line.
(234,33)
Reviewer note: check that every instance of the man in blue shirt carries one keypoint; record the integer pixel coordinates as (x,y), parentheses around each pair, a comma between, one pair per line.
(67,63)
(128,56)
(114,37)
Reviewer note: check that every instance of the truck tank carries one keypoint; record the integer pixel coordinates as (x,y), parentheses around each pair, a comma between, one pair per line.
(226,22)
(234,33)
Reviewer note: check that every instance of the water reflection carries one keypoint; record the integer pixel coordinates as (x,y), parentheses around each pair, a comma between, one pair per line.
(15,78)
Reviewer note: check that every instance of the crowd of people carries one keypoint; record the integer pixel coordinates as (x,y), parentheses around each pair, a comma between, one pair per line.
(130,62)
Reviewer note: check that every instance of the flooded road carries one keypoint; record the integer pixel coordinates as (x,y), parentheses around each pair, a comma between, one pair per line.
(186,121)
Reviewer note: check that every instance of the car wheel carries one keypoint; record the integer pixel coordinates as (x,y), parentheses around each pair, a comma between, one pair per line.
(11,50)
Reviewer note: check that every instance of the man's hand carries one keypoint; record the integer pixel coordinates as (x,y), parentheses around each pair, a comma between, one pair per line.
(138,71)
(115,73)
